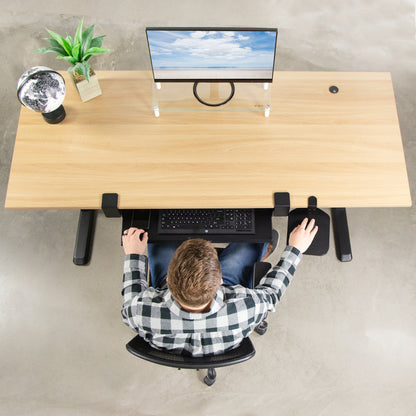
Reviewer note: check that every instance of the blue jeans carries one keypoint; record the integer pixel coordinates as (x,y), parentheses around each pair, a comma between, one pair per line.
(237,260)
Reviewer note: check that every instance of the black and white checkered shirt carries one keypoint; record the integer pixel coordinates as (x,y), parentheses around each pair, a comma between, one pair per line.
(233,315)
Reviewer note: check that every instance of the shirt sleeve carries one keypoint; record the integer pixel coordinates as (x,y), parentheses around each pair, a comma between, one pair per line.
(134,276)
(272,287)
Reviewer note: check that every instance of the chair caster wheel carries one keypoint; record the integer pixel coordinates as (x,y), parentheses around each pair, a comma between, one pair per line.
(261,328)
(210,378)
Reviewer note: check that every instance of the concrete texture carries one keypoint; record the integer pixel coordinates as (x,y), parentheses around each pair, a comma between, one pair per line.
(343,341)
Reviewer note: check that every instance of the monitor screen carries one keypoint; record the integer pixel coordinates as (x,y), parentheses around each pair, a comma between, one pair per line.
(212,54)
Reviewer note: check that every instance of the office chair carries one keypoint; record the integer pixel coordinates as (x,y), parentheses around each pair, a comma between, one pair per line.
(142,349)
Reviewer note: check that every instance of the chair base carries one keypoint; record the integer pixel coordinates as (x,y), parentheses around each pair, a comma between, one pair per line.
(261,328)
(210,378)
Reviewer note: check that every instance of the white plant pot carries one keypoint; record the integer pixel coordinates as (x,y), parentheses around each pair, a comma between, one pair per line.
(87,90)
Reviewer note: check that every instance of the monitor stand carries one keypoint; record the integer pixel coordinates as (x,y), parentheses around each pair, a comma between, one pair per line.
(210,97)
(214,95)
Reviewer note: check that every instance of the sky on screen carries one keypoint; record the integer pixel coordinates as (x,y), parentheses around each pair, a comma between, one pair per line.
(212,49)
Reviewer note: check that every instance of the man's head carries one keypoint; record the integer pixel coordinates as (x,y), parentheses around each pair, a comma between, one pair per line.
(194,273)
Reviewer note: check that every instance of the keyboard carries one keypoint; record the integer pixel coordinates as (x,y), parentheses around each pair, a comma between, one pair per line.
(206,221)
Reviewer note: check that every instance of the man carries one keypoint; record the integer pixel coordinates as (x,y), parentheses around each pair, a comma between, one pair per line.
(201,304)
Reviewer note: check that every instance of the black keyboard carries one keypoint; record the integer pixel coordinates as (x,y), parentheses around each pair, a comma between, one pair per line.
(206,221)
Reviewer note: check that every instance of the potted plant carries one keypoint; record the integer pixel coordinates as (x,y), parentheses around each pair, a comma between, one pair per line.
(77,51)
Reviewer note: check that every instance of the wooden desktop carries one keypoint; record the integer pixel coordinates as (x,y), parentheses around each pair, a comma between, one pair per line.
(344,148)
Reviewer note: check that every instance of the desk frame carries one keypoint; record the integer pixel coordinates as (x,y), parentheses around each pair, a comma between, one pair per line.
(86,226)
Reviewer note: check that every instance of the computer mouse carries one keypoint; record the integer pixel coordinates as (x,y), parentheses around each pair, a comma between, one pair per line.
(141,235)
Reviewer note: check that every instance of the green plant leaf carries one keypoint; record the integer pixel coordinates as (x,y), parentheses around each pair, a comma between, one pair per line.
(70,41)
(76,52)
(86,70)
(54,44)
(83,68)
(86,39)
(79,68)
(78,34)
(48,49)
(95,51)
(61,41)
(97,42)
(70,59)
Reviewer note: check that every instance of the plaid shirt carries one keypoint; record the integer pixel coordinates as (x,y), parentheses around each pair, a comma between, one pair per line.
(233,315)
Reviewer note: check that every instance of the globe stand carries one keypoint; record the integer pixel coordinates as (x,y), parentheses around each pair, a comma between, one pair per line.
(55,116)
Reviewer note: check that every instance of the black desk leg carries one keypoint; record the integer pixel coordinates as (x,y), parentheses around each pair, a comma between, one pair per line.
(85,234)
(341,234)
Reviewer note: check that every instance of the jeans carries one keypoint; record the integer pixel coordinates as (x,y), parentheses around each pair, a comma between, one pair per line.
(237,261)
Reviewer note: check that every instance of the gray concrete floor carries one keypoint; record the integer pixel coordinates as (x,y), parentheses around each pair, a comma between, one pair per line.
(343,341)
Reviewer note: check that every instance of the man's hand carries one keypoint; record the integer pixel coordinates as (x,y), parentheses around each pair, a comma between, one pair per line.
(302,236)
(134,241)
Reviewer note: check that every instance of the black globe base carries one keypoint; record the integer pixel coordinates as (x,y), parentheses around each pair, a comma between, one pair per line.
(55,116)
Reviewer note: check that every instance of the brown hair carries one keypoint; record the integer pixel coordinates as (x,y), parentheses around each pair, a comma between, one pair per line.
(194,273)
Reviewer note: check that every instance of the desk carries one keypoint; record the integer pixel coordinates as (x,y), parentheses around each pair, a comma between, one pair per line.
(343,148)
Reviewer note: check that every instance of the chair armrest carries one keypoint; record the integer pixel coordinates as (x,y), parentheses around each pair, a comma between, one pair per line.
(260,269)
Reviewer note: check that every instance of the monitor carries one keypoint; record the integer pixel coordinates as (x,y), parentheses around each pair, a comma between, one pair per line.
(212,54)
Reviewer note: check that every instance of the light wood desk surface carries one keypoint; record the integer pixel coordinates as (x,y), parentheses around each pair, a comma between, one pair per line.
(344,148)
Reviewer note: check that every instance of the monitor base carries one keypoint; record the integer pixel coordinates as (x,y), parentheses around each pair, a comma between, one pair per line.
(195,89)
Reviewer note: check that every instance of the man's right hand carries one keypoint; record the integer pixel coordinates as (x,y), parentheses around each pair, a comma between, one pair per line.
(302,236)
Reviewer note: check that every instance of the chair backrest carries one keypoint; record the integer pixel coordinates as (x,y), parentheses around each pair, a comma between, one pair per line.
(142,349)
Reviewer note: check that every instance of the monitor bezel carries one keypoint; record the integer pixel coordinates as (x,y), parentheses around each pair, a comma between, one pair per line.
(219,29)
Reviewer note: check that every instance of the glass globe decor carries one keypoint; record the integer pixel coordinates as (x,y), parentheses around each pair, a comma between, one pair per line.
(42,89)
